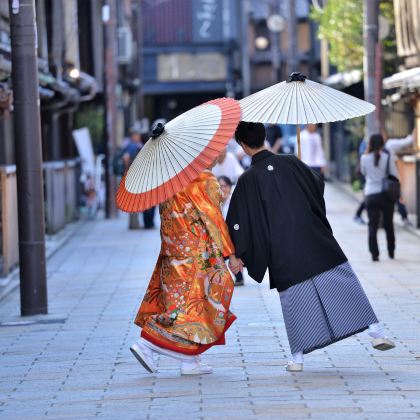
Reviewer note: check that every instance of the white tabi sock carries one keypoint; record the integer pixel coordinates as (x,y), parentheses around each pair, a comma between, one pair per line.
(297,357)
(376,330)
(189,364)
(168,353)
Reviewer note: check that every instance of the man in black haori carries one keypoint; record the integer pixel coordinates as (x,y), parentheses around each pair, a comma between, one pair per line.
(277,221)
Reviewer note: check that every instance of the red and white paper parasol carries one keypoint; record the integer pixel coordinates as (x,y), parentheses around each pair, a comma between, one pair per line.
(177,153)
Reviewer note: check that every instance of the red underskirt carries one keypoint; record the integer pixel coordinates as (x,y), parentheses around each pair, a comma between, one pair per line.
(190,352)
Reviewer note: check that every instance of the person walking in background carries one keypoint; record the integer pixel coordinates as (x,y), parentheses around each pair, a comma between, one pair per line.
(274,137)
(227,188)
(227,164)
(134,146)
(312,150)
(277,221)
(392,146)
(358,217)
(374,165)
(91,196)
(130,151)
(226,185)
(185,310)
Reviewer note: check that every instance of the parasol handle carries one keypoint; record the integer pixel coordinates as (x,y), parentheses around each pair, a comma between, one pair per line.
(298,141)
(296,76)
(157,130)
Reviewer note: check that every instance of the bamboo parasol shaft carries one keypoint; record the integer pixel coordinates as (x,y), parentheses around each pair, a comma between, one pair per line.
(298,141)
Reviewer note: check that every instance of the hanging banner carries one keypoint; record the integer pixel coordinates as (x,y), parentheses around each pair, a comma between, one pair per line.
(207,16)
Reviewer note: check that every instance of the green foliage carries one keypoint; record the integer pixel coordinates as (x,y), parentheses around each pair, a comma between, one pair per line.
(354,129)
(357,185)
(91,116)
(341,24)
(390,58)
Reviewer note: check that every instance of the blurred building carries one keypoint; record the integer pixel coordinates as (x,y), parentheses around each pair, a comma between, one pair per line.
(191,53)
(196,50)
(72,55)
(402,89)
(402,97)
(269,38)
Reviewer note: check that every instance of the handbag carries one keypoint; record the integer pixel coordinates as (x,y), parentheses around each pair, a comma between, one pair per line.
(391,186)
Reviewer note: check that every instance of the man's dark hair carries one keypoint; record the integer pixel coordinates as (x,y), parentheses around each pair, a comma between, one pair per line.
(251,134)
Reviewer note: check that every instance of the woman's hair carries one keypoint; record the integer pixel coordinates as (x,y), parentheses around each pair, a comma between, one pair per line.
(226,180)
(376,143)
(251,134)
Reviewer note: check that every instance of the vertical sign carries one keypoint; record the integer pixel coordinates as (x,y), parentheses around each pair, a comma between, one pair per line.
(207,18)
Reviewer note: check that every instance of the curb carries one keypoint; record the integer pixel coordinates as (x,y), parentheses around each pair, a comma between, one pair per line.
(52,244)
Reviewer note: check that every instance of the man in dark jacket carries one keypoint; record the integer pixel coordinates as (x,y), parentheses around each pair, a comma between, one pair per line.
(277,221)
(130,152)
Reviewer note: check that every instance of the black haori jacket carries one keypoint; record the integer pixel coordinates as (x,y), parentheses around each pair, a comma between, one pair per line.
(277,221)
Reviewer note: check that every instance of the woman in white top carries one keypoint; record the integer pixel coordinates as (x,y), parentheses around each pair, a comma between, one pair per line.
(227,164)
(312,151)
(373,166)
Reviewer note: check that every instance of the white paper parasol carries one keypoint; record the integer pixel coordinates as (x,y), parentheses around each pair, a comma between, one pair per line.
(301,101)
(177,153)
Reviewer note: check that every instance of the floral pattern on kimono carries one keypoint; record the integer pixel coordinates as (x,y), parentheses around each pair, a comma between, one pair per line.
(186,305)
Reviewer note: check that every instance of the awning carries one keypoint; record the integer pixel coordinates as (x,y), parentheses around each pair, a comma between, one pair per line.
(49,82)
(407,79)
(86,84)
(344,79)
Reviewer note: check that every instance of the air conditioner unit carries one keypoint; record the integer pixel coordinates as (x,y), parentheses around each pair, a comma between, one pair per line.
(125,45)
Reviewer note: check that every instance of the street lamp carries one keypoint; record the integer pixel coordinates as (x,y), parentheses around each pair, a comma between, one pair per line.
(261,42)
(74,73)
(276,24)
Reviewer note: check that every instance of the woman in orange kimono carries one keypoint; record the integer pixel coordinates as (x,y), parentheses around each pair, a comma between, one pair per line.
(185,310)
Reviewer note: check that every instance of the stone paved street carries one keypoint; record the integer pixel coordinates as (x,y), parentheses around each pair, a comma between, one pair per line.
(78,365)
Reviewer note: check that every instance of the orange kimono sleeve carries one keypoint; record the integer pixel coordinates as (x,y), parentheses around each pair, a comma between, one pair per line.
(207,200)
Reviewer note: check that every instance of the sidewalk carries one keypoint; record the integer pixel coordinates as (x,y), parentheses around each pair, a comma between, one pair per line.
(52,244)
(78,365)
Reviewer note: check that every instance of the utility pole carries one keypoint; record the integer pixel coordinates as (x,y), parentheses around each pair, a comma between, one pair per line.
(325,72)
(370,40)
(140,58)
(109,15)
(275,44)
(292,60)
(28,146)
(246,65)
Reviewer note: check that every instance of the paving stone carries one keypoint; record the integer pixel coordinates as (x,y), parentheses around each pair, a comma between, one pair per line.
(83,369)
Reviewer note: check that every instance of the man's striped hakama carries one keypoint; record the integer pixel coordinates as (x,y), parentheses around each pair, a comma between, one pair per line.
(324,309)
